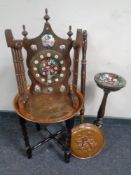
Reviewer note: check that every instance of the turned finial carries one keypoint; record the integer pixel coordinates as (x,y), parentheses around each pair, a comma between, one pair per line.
(70,33)
(46,17)
(24,32)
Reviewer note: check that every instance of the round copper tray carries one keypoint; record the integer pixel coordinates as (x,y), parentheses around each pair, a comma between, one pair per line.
(62,110)
(87,141)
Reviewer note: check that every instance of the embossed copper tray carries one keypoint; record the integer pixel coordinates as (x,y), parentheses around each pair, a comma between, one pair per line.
(48,109)
(87,141)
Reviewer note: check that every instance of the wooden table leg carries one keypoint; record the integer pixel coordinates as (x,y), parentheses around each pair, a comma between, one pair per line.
(99,121)
(67,149)
(38,127)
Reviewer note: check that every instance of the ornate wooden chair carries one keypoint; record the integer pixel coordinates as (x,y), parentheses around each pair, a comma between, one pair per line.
(51,97)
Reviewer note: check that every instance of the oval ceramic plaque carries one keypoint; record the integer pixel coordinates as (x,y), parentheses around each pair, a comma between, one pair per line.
(48,40)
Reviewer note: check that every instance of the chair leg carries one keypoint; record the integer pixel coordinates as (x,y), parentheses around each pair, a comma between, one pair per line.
(70,124)
(25,135)
(67,150)
(82,111)
(38,127)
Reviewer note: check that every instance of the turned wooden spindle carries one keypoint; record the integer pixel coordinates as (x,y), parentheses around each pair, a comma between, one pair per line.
(77,45)
(83,72)
(101,112)
(16,49)
(75,69)
(19,70)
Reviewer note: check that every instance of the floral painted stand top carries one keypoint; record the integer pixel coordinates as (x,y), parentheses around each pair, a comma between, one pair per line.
(110,81)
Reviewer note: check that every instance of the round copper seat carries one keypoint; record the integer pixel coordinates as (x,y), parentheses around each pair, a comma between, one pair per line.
(45,108)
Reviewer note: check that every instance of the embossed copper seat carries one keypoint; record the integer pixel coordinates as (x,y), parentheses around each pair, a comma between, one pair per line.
(52,95)
(43,108)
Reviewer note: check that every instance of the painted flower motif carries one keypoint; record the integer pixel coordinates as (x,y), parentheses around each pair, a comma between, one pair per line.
(108,78)
(62,46)
(48,54)
(36,61)
(49,81)
(43,73)
(50,89)
(37,88)
(37,75)
(56,56)
(48,68)
(62,88)
(35,68)
(61,75)
(55,68)
(63,68)
(56,79)
(61,62)
(48,40)
(33,47)
(44,65)
(42,79)
(41,56)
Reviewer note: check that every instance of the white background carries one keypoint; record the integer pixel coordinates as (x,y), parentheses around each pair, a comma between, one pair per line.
(108,23)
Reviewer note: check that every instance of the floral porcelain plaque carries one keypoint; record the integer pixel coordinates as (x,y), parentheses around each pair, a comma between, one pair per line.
(48,40)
